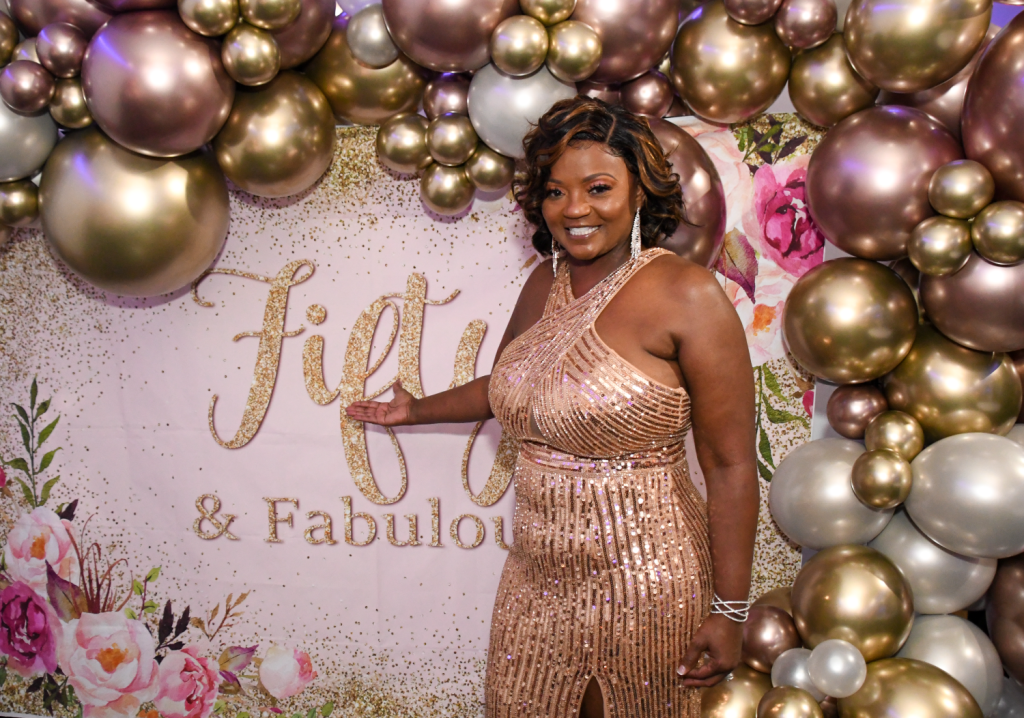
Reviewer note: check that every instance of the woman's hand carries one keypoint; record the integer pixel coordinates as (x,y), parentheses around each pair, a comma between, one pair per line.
(721,638)
(397,412)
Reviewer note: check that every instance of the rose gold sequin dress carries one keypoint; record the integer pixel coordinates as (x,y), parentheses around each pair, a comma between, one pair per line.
(610,572)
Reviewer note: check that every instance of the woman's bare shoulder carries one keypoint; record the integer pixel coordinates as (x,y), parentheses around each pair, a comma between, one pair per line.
(679,280)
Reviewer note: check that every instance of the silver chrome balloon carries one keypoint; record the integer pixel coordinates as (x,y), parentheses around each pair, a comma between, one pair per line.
(25,143)
(369,40)
(837,668)
(790,669)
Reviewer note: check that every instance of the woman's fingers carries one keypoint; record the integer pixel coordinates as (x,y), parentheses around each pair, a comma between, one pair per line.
(367,411)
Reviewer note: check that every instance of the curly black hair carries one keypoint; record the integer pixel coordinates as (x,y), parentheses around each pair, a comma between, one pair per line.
(588,119)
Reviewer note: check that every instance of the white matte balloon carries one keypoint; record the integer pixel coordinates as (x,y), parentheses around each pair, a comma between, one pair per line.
(790,669)
(25,143)
(503,108)
(811,496)
(941,581)
(369,39)
(837,668)
(1011,702)
(963,651)
(968,495)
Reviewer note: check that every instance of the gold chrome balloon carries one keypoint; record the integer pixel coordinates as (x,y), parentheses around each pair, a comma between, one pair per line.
(906,687)
(998,232)
(26,87)
(788,702)
(940,245)
(68,108)
(852,406)
(574,51)
(8,38)
(446,190)
(751,12)
(451,139)
(779,597)
(209,17)
(19,203)
(359,94)
(519,45)
(768,632)
(26,50)
(961,189)
(402,143)
(825,88)
(549,12)
(737,696)
(279,139)
(61,48)
(896,431)
(882,479)
(250,55)
(856,594)
(130,224)
(951,389)
(726,71)
(912,45)
(850,320)
(488,170)
(270,14)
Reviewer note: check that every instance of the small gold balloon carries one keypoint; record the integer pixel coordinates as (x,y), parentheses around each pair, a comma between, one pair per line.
(19,203)
(940,245)
(549,12)
(519,45)
(961,189)
(998,232)
(895,431)
(270,14)
(451,139)
(856,594)
(488,170)
(825,88)
(250,55)
(68,108)
(8,38)
(737,696)
(781,597)
(788,702)
(882,479)
(209,17)
(907,687)
(402,143)
(446,190)
(26,50)
(574,51)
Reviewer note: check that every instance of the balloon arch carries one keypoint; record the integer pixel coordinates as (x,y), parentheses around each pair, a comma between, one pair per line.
(122,121)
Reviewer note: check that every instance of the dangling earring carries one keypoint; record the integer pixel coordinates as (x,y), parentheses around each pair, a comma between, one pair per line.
(554,256)
(634,241)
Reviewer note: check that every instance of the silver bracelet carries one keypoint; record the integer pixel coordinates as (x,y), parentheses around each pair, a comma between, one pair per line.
(733,610)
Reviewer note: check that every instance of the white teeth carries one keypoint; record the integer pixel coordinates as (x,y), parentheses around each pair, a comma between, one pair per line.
(580,231)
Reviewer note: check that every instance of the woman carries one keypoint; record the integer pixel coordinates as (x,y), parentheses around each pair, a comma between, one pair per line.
(605,604)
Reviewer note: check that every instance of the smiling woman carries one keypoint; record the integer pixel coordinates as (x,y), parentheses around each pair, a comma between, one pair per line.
(623,591)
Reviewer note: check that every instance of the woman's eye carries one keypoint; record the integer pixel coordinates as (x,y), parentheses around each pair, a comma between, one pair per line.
(553,193)
(600,188)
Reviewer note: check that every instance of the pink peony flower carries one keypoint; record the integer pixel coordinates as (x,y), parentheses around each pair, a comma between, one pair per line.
(29,631)
(286,673)
(188,685)
(3,477)
(720,144)
(109,659)
(808,401)
(38,538)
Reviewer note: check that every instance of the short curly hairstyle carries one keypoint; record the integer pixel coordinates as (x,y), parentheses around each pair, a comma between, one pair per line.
(588,119)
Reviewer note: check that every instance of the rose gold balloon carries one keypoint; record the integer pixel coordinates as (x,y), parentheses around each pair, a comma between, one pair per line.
(26,50)
(446,35)
(446,95)
(751,12)
(26,87)
(61,48)
(824,87)
(867,181)
(781,597)
(612,94)
(805,24)
(154,86)
(130,5)
(635,34)
(649,95)
(8,38)
(700,237)
(1004,613)
(852,407)
(34,15)
(303,38)
(767,633)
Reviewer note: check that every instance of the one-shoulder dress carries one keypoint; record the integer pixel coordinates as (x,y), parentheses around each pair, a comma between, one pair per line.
(609,573)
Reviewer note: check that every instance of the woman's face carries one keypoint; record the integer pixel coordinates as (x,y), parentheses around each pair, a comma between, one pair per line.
(590,201)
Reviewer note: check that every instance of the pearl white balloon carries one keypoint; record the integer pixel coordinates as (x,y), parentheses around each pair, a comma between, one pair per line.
(790,669)
(963,651)
(968,495)
(837,668)
(369,39)
(941,581)
(1011,702)
(25,143)
(811,496)
(503,108)
(351,7)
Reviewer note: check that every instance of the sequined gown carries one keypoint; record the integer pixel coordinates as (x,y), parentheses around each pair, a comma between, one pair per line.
(609,573)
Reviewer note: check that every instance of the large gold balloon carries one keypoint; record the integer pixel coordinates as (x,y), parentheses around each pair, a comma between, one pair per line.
(961,189)
(951,389)
(488,170)
(209,17)
(250,55)
(850,320)
(270,14)
(130,224)
(768,632)
(303,38)
(824,87)
(519,45)
(549,12)
(906,687)
(8,38)
(446,190)
(788,702)
(940,245)
(852,406)
(912,45)
(998,232)
(1004,614)
(737,696)
(882,479)
(67,107)
(856,594)
(26,87)
(357,93)
(574,52)
(896,431)
(781,597)
(19,203)
(402,143)
(279,139)
(726,71)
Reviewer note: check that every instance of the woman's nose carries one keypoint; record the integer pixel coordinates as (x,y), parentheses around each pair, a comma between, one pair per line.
(577,206)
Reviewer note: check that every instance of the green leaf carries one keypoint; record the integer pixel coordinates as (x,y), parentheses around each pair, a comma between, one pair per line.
(48,458)
(781,416)
(47,430)
(764,447)
(19,464)
(327,709)
(153,575)
(47,487)
(219,706)
(772,383)
(25,439)
(311,713)
(136,587)
(3,675)
(149,607)
(243,714)
(26,492)
(22,413)
(33,393)
(41,409)
(131,614)
(764,471)
(296,715)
